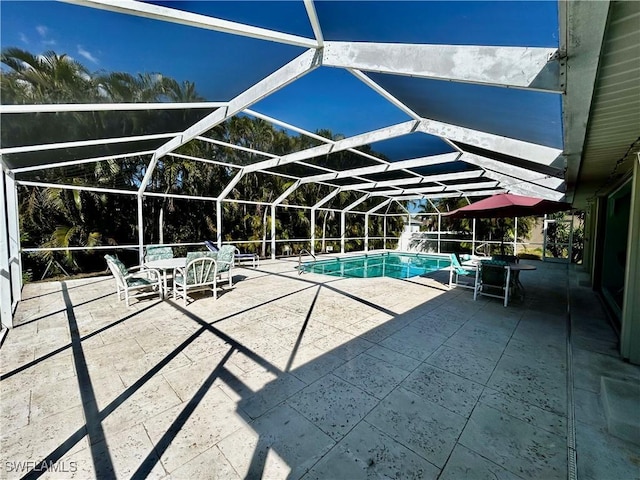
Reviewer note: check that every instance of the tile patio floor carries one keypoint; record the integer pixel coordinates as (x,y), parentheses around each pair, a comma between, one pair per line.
(288,376)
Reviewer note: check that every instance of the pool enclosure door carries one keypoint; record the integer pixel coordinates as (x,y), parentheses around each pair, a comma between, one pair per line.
(558,240)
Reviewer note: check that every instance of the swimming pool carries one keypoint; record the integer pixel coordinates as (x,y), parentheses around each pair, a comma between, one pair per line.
(394,265)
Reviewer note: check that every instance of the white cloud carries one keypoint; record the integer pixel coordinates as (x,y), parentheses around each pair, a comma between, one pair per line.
(86,54)
(45,37)
(23,38)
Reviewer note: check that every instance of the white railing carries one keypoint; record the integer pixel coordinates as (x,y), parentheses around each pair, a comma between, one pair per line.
(428,242)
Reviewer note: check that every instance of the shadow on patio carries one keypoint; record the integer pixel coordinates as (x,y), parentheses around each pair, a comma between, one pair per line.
(285,376)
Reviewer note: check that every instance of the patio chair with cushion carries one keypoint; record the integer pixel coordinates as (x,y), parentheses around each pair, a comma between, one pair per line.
(237,257)
(226,261)
(494,280)
(201,272)
(456,270)
(157,252)
(132,283)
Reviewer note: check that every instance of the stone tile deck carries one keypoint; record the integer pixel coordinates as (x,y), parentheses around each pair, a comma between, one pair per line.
(288,376)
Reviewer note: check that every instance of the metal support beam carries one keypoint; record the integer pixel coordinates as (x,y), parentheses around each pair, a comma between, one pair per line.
(384,232)
(231,185)
(293,128)
(343,226)
(287,126)
(140,230)
(166,14)
(509,146)
(479,193)
(80,162)
(176,195)
(461,188)
(235,147)
(518,67)
(286,193)
(383,93)
(273,232)
(327,198)
(526,175)
(521,187)
(385,167)
(379,206)
(312,233)
(13,229)
(315,23)
(415,181)
(298,67)
(105,107)
(219,213)
(227,190)
(204,160)
(473,239)
(357,202)
(75,187)
(433,205)
(341,145)
(439,231)
(293,70)
(314,208)
(6,316)
(84,143)
(366,232)
(391,98)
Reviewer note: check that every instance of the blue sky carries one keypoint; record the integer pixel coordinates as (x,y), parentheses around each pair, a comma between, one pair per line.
(223,65)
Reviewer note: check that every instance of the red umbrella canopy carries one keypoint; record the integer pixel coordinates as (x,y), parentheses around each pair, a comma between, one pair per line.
(508,205)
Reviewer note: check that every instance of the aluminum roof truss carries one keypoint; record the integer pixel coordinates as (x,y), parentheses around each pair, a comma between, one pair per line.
(517,67)
(514,67)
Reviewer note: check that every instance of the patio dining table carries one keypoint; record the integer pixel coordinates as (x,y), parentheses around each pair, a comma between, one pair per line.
(516,268)
(512,269)
(164,265)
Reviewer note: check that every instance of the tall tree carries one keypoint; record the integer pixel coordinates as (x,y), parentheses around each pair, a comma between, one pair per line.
(65,218)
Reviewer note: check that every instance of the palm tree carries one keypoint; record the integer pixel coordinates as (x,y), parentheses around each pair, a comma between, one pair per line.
(46,78)
(62,218)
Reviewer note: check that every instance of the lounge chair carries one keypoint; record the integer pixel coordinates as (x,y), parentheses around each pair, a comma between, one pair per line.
(144,281)
(494,280)
(457,270)
(157,252)
(238,256)
(247,257)
(211,246)
(200,273)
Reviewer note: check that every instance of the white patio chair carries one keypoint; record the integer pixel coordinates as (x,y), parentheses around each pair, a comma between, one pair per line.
(201,272)
(134,282)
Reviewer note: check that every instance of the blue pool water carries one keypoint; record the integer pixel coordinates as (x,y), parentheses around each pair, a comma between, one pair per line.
(394,265)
